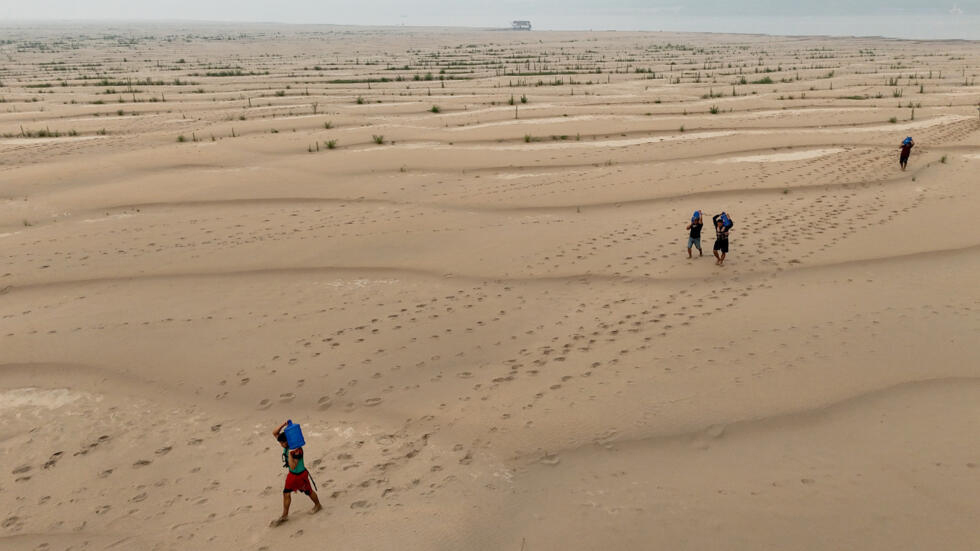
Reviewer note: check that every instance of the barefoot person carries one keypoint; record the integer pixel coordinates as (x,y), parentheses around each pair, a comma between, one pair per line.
(297,479)
(695,237)
(723,225)
(906,147)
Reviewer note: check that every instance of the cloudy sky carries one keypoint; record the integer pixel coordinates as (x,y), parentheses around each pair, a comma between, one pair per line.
(391,11)
(888,17)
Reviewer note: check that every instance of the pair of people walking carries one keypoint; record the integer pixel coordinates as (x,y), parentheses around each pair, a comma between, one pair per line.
(723,225)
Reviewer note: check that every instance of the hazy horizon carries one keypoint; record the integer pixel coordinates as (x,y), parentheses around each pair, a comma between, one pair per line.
(896,18)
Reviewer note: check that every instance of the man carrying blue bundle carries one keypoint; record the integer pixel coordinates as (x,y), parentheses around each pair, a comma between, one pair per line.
(694,240)
(723,225)
(298,479)
(906,147)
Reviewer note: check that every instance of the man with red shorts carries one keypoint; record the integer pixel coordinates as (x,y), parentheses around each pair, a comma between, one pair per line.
(297,479)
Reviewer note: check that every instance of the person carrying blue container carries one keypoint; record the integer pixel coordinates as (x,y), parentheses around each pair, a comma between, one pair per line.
(723,225)
(290,437)
(694,240)
(906,150)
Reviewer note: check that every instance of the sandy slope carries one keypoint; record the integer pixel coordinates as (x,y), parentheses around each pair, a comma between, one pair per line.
(487,325)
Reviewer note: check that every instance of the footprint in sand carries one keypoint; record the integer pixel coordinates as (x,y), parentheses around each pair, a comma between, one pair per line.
(550,459)
(10,522)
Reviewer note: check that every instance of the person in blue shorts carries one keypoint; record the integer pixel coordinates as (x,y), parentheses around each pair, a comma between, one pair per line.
(694,239)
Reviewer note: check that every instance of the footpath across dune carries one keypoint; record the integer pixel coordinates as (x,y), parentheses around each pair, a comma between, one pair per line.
(458,259)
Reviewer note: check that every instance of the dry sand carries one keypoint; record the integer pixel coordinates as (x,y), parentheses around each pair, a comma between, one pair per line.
(487,325)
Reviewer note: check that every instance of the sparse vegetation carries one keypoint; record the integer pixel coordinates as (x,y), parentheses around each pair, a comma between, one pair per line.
(435,109)
(378,139)
(331,144)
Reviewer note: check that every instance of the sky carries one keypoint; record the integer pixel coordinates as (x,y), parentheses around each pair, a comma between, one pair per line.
(902,18)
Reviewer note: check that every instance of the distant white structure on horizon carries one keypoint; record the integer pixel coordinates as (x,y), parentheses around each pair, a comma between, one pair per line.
(521,25)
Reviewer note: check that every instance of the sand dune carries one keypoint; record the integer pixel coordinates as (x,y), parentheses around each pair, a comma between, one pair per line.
(458,258)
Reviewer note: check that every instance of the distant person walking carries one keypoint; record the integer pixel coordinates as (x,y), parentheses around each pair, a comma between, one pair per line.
(694,239)
(906,147)
(297,479)
(723,225)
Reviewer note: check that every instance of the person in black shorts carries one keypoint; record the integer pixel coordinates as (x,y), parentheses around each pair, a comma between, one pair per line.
(723,225)
(694,240)
(906,147)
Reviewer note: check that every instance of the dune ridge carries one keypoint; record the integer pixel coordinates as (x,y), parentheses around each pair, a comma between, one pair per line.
(458,259)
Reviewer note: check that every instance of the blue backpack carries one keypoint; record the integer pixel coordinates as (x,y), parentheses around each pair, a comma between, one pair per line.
(726,221)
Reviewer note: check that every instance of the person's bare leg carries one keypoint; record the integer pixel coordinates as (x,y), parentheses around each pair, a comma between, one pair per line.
(689,252)
(721,259)
(287,498)
(717,258)
(316,502)
(700,252)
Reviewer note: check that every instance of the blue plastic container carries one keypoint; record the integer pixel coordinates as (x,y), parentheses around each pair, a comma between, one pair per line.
(294,435)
